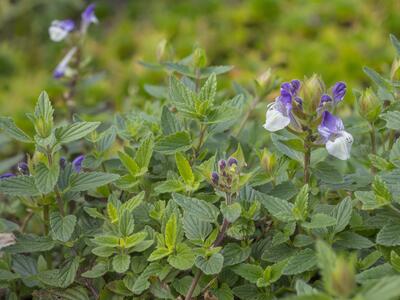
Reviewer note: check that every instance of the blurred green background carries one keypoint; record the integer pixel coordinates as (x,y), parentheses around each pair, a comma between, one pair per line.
(295,37)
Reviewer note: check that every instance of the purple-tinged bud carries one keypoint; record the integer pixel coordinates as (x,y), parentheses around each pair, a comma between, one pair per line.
(62,67)
(77,163)
(338,91)
(23,168)
(88,17)
(6,175)
(222,164)
(232,161)
(63,162)
(215,177)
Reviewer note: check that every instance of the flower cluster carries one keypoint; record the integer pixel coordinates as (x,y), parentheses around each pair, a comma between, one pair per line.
(226,175)
(60,29)
(287,110)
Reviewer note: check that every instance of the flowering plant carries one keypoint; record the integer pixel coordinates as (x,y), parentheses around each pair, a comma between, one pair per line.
(194,199)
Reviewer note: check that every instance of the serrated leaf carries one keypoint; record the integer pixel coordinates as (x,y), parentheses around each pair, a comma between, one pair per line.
(158,254)
(19,186)
(302,261)
(184,168)
(129,163)
(249,272)
(201,209)
(210,265)
(46,178)
(395,260)
(30,243)
(208,91)
(389,235)
(171,232)
(183,258)
(144,153)
(352,240)
(392,119)
(75,131)
(169,122)
(235,254)
(176,142)
(62,227)
(196,229)
(320,221)
(231,212)
(279,208)
(97,271)
(121,263)
(90,180)
(342,213)
(327,173)
(300,209)
(7,124)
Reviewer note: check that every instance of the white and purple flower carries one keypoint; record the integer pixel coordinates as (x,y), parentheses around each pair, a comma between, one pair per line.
(279,113)
(59,30)
(337,141)
(62,67)
(88,17)
(77,163)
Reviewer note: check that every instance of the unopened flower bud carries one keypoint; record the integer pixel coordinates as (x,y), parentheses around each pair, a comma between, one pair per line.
(199,58)
(369,106)
(6,175)
(311,92)
(265,78)
(161,49)
(232,161)
(215,177)
(43,127)
(268,161)
(222,164)
(343,279)
(63,162)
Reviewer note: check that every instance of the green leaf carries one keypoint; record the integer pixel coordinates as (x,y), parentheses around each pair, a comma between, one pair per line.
(196,229)
(368,200)
(209,89)
(97,271)
(184,168)
(234,254)
(210,265)
(144,153)
(342,213)
(300,209)
(385,288)
(352,240)
(121,263)
(199,208)
(75,131)
(395,260)
(395,43)
(134,202)
(320,221)
(279,208)
(106,240)
(46,178)
(30,243)
(19,186)
(378,79)
(72,293)
(63,277)
(182,286)
(62,227)
(392,119)
(302,261)
(389,235)
(90,180)
(129,163)
(176,142)
(112,212)
(158,254)
(169,123)
(136,239)
(327,173)
(171,232)
(231,212)
(7,124)
(249,272)
(183,258)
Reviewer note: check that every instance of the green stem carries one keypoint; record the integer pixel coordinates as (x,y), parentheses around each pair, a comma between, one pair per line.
(307,159)
(392,138)
(373,145)
(247,116)
(46,222)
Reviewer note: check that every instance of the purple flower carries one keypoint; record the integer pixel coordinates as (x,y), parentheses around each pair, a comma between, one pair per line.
(337,141)
(59,30)
(63,65)
(279,114)
(88,17)
(23,168)
(6,175)
(214,177)
(222,164)
(232,161)
(77,163)
(338,92)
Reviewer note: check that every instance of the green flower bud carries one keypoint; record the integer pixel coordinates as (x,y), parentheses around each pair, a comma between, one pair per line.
(312,90)
(43,128)
(268,161)
(265,79)
(161,49)
(369,106)
(343,278)
(199,58)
